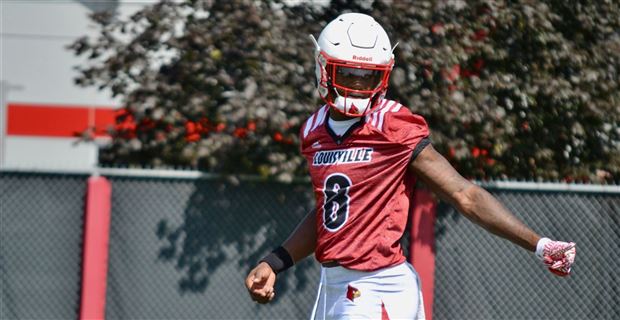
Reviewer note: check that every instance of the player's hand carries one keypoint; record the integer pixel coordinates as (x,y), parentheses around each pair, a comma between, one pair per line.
(260,282)
(558,256)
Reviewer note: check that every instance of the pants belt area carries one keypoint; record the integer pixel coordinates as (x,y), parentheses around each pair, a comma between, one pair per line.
(330,264)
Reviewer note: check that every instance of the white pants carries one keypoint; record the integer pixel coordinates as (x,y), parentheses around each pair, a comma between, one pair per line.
(350,294)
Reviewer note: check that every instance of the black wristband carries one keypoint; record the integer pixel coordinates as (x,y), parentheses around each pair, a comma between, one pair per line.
(279,260)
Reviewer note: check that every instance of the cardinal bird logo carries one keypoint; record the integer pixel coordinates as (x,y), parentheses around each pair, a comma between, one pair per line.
(354,109)
(353,293)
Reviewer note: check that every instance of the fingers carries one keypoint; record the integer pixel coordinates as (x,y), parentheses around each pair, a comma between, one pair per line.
(560,272)
(266,298)
(249,280)
(257,278)
(260,282)
(261,275)
(263,296)
(263,280)
(561,259)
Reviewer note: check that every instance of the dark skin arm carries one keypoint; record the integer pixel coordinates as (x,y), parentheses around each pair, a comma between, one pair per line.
(472,201)
(302,241)
(300,244)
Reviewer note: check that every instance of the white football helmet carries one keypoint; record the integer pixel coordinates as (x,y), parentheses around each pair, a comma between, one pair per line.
(354,59)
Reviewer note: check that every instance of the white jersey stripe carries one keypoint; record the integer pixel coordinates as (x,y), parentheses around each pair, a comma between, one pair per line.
(375,114)
(397,107)
(320,118)
(308,125)
(374,118)
(382,114)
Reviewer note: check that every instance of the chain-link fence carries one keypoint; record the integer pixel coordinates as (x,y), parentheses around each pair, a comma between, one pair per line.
(41,218)
(479,276)
(180,248)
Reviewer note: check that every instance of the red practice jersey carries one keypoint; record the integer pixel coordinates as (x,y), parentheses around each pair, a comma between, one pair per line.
(361,184)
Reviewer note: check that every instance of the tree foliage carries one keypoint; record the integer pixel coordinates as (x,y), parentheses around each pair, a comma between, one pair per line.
(511,89)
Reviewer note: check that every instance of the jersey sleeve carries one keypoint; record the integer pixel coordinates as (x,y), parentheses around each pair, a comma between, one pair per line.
(408,129)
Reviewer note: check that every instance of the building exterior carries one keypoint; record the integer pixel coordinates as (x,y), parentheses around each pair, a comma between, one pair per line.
(42,110)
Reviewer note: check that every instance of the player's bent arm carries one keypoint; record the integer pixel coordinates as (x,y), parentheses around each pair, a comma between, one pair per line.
(472,201)
(302,241)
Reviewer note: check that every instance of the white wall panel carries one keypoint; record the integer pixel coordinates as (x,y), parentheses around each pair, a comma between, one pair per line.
(53,153)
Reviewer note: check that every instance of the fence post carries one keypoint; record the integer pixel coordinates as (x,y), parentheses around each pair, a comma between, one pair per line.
(422,244)
(95,251)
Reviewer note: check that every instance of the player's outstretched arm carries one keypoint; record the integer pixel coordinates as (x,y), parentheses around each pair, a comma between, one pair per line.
(481,207)
(300,244)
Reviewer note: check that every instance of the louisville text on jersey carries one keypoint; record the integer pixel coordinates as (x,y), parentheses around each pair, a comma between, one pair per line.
(342,156)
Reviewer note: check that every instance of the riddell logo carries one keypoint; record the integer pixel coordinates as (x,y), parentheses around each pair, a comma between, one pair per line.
(359,58)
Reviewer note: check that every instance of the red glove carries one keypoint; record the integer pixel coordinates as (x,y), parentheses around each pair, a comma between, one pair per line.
(558,256)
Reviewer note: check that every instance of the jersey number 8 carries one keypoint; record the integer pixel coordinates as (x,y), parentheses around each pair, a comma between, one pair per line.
(336,205)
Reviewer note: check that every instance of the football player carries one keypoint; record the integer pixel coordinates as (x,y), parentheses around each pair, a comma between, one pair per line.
(364,153)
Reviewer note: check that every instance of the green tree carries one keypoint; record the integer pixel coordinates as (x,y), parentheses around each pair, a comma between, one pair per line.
(511,89)
(216,85)
(519,89)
